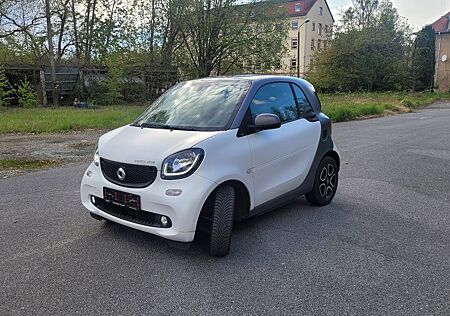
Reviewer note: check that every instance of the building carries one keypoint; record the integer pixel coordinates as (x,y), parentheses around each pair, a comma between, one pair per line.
(313,34)
(442,70)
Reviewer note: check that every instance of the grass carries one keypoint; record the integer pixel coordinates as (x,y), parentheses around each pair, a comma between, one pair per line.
(339,107)
(26,164)
(350,106)
(64,119)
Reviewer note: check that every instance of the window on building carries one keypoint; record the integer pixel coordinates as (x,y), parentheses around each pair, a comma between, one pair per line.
(275,98)
(326,29)
(320,11)
(314,27)
(297,7)
(319,44)
(295,25)
(313,44)
(293,63)
(294,43)
(320,29)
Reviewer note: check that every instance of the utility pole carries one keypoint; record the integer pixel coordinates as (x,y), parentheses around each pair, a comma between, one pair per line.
(298,47)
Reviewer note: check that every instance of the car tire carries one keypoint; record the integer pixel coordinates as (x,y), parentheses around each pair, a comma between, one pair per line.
(222,221)
(325,183)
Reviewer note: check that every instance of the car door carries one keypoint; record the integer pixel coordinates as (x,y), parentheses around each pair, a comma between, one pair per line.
(281,157)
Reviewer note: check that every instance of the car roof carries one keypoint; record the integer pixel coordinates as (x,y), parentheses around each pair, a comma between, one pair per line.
(263,77)
(251,77)
(258,79)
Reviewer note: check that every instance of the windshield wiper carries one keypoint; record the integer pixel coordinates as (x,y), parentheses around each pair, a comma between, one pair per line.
(165,126)
(186,128)
(154,125)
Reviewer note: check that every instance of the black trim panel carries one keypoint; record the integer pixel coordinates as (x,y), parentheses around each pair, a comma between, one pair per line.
(140,217)
(136,176)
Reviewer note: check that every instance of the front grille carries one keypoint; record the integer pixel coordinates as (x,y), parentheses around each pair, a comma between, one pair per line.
(130,215)
(136,176)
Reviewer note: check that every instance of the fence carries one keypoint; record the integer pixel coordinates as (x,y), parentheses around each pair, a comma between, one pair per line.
(72,81)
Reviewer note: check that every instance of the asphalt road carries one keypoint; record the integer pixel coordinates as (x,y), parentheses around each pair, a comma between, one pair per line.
(381,247)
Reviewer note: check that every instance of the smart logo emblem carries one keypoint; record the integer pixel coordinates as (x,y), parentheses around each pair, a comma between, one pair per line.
(121,174)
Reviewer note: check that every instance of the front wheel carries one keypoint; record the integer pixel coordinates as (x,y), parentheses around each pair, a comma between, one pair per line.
(222,221)
(325,183)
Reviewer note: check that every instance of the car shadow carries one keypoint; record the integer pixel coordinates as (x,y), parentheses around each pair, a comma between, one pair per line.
(297,215)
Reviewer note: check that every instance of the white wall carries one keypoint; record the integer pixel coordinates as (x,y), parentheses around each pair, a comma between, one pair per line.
(306,35)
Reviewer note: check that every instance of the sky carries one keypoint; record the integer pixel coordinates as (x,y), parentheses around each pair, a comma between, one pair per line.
(418,12)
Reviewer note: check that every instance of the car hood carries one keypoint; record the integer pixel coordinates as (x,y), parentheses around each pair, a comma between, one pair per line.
(147,146)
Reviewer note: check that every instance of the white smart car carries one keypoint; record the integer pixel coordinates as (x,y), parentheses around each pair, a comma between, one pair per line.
(213,151)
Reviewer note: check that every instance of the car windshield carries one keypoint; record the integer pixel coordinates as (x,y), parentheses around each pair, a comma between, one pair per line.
(203,105)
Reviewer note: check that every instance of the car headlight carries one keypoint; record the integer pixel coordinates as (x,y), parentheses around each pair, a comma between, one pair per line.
(96,157)
(182,164)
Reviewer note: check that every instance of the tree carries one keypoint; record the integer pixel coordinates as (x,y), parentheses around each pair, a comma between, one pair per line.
(76,39)
(423,60)
(27,96)
(113,83)
(20,22)
(369,54)
(365,12)
(89,28)
(216,32)
(5,89)
(51,53)
(170,34)
(64,40)
(153,38)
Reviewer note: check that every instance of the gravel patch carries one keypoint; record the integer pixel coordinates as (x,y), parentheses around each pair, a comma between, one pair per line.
(66,148)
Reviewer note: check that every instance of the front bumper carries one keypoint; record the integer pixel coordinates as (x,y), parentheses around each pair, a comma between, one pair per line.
(183,210)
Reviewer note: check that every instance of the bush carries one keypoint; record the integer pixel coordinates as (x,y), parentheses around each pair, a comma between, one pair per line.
(108,91)
(5,89)
(113,84)
(27,96)
(407,103)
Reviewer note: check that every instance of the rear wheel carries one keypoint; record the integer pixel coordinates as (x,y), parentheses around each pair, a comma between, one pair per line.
(222,221)
(325,183)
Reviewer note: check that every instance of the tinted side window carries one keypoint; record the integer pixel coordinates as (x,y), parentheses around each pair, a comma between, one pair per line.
(302,101)
(275,98)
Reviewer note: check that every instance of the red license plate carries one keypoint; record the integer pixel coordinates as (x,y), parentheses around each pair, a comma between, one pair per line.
(120,198)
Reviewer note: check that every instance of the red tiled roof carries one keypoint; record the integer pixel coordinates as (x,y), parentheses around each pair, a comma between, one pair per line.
(305,7)
(441,25)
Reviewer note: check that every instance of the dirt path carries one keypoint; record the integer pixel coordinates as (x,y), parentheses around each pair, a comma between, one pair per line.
(58,148)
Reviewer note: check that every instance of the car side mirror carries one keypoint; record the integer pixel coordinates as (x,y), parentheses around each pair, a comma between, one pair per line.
(265,121)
